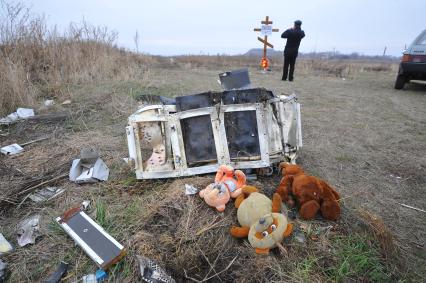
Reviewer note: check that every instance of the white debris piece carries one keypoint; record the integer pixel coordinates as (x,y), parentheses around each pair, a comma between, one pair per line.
(9,119)
(29,230)
(25,113)
(190,190)
(11,149)
(3,266)
(46,194)
(21,113)
(85,205)
(89,278)
(49,102)
(88,173)
(5,246)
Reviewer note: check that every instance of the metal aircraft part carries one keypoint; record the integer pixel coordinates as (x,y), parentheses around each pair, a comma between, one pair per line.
(195,134)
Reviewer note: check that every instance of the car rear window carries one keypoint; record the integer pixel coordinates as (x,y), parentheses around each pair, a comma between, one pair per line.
(422,40)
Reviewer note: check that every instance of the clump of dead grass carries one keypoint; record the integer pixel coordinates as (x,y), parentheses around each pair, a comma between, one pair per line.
(36,60)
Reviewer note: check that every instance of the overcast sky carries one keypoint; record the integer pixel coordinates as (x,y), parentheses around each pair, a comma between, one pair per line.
(169,27)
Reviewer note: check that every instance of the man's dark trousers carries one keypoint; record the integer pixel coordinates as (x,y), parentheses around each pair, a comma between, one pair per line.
(289,60)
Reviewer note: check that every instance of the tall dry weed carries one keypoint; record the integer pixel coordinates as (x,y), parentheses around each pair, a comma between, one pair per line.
(36,60)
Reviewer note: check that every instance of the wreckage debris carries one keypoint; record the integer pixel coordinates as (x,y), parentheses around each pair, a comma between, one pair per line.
(28,230)
(46,194)
(12,149)
(195,134)
(238,79)
(21,113)
(89,168)
(5,246)
(151,272)
(103,249)
(3,266)
(190,190)
(58,274)
(16,148)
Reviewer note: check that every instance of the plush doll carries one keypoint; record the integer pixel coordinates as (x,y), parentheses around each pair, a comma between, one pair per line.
(261,220)
(311,193)
(224,187)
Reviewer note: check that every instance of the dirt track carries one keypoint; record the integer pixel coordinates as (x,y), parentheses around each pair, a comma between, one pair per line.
(361,135)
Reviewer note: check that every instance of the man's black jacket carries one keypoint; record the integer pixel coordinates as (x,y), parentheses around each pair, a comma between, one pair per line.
(294,36)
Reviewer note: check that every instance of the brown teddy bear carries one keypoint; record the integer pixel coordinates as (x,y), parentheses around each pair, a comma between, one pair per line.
(311,193)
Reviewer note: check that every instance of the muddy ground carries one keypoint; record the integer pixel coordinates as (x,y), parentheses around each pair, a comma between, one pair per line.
(362,136)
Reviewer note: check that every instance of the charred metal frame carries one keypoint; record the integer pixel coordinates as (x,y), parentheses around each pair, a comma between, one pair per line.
(278,124)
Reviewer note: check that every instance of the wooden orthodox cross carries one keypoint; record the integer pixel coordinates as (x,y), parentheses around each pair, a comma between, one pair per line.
(265,30)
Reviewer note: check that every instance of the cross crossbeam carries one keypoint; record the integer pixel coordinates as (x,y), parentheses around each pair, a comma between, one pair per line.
(265,30)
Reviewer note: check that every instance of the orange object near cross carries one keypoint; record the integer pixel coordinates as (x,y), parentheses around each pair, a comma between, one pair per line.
(265,30)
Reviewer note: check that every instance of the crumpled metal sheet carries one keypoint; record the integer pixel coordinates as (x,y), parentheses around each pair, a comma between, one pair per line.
(29,230)
(151,272)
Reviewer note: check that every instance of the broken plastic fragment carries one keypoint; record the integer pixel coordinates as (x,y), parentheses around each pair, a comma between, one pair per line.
(88,173)
(5,246)
(190,190)
(85,205)
(29,230)
(89,278)
(3,266)
(46,194)
(25,113)
(9,119)
(12,149)
(49,102)
(152,272)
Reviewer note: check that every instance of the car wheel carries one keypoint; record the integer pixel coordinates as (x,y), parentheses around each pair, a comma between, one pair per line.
(400,82)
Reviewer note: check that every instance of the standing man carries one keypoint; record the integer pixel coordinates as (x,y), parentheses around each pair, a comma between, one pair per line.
(294,35)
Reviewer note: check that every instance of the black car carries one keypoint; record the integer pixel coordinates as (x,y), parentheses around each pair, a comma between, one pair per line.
(413,63)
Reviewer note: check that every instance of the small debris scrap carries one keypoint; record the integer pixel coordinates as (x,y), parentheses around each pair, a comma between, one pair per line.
(29,230)
(190,190)
(49,102)
(151,272)
(58,274)
(9,119)
(12,149)
(5,246)
(25,113)
(101,275)
(89,168)
(3,266)
(46,194)
(103,249)
(66,102)
(89,278)
(16,148)
(85,205)
(21,113)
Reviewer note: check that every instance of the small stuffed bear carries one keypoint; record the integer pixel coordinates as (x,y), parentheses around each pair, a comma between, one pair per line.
(261,220)
(224,188)
(311,193)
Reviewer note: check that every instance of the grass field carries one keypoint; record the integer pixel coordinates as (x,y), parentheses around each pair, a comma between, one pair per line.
(362,136)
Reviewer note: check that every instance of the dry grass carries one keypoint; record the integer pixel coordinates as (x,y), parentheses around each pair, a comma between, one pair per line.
(156,219)
(37,61)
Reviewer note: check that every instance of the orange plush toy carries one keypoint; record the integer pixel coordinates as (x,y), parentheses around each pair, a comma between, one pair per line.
(224,188)
(311,193)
